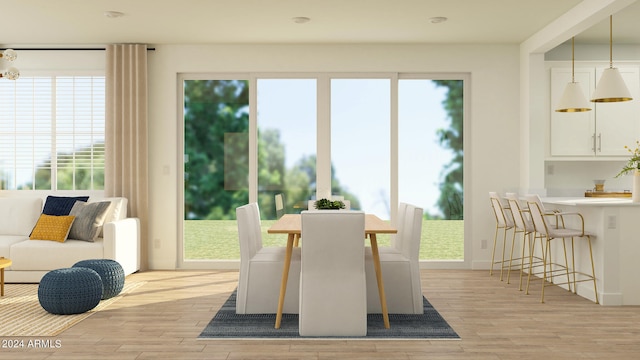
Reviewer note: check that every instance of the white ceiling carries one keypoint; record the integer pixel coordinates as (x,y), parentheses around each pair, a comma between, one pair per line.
(54,23)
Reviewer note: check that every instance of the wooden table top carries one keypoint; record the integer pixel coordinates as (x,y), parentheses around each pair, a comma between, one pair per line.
(292,224)
(4,262)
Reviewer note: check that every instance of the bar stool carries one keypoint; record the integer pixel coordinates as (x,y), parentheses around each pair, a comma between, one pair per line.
(524,226)
(504,223)
(549,233)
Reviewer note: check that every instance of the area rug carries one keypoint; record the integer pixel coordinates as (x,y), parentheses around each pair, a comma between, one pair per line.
(226,324)
(22,315)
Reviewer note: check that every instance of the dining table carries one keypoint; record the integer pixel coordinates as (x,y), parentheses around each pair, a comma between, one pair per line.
(291,224)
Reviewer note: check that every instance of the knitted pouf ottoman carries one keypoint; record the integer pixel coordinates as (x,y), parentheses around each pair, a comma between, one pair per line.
(110,272)
(70,291)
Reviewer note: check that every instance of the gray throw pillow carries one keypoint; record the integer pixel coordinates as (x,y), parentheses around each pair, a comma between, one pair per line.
(89,220)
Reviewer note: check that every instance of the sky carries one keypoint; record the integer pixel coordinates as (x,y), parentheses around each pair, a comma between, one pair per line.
(360,135)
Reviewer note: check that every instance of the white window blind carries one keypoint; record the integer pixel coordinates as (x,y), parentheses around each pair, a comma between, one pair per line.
(52,133)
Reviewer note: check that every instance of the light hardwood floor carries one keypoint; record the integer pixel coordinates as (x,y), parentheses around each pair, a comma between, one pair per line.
(163,318)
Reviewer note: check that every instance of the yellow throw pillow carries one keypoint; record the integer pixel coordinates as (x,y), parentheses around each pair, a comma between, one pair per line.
(52,227)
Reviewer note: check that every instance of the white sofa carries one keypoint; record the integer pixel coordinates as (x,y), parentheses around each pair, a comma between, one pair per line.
(119,240)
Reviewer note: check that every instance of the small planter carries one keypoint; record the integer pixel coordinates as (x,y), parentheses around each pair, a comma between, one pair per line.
(326,204)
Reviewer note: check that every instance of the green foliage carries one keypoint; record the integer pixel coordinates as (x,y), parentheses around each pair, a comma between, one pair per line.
(633,164)
(327,204)
(451,197)
(216,171)
(70,174)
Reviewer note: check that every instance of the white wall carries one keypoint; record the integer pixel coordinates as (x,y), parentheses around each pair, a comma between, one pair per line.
(492,146)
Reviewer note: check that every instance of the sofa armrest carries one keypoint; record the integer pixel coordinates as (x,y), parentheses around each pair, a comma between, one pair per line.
(122,243)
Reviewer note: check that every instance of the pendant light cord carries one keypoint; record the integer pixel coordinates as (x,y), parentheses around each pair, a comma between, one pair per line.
(610,41)
(573,59)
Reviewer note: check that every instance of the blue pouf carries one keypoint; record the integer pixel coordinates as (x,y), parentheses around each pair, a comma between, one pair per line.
(70,291)
(110,272)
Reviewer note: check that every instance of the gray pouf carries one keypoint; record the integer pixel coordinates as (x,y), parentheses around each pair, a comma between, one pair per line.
(70,291)
(110,272)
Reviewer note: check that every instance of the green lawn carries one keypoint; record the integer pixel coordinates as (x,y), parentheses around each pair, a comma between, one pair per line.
(218,239)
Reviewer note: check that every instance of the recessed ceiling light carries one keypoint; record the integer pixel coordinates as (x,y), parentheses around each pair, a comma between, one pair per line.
(437,19)
(301,19)
(113,14)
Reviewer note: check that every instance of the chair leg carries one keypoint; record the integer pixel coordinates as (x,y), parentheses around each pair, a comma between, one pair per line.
(546,254)
(593,270)
(513,242)
(504,245)
(526,243)
(531,262)
(566,264)
(493,253)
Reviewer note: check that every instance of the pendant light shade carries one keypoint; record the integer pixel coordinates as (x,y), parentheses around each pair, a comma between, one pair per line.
(573,99)
(611,86)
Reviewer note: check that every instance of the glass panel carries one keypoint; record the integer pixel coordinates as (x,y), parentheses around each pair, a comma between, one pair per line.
(430,162)
(216,160)
(286,147)
(360,145)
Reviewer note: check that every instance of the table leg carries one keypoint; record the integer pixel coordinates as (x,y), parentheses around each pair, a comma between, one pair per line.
(376,265)
(297,240)
(285,278)
(2,282)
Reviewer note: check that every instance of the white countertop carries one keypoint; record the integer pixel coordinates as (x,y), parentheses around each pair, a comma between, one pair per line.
(589,201)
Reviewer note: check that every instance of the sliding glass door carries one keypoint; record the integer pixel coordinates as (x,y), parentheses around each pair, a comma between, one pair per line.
(374,140)
(215,166)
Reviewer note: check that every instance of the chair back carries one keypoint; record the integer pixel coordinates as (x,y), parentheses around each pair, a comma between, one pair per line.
(498,210)
(396,243)
(410,232)
(279,200)
(332,274)
(521,221)
(249,230)
(537,214)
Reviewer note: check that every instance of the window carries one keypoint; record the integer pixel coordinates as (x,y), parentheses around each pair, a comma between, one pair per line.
(375,139)
(52,133)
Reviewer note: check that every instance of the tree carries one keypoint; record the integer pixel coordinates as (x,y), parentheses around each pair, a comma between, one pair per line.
(82,169)
(216,124)
(451,197)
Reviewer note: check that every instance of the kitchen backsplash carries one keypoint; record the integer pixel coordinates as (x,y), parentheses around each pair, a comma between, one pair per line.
(573,178)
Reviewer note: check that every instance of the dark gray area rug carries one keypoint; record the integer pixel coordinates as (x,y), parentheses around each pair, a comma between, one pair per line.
(226,324)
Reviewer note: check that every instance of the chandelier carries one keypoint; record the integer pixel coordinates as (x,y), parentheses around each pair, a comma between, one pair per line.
(10,73)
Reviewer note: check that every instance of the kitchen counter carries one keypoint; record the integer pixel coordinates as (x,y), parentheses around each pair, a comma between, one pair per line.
(589,201)
(616,246)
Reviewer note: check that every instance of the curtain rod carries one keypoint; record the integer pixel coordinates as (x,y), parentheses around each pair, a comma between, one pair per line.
(64,49)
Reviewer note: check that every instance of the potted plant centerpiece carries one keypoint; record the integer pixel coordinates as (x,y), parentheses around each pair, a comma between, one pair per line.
(633,166)
(326,204)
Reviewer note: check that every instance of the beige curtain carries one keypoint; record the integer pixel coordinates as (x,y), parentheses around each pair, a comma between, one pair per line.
(126,158)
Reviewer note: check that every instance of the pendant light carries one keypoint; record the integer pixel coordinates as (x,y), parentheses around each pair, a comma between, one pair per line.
(611,87)
(573,99)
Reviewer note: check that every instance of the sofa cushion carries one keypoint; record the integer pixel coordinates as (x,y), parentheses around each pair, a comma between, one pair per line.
(19,215)
(89,219)
(7,241)
(50,255)
(61,205)
(51,227)
(117,210)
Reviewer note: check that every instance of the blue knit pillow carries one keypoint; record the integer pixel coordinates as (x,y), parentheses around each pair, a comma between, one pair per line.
(61,205)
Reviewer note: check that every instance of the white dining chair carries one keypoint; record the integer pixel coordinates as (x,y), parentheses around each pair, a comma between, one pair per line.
(333,295)
(261,269)
(400,264)
(279,201)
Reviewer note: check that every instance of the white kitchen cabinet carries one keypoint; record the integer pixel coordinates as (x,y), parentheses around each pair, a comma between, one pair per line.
(603,131)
